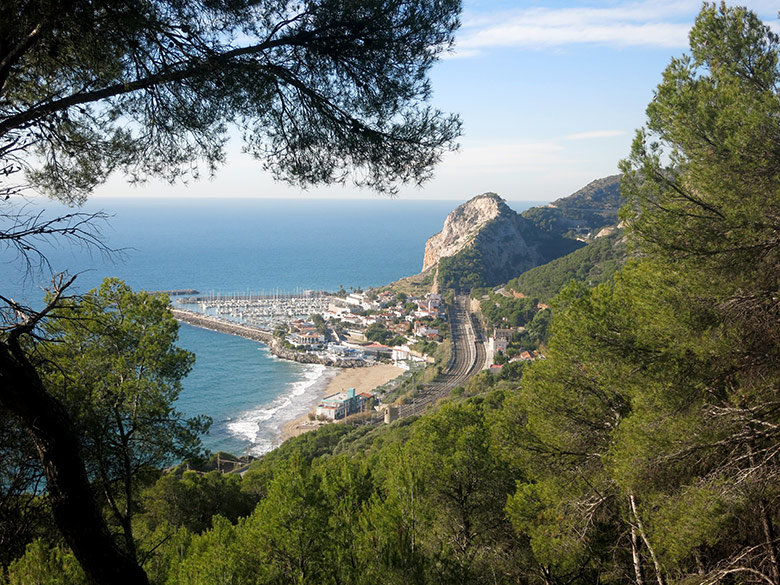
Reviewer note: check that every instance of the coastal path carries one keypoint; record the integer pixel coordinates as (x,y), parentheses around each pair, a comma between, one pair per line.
(467,358)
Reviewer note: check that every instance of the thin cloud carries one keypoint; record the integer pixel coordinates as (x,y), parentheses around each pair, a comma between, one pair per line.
(657,24)
(506,156)
(594,134)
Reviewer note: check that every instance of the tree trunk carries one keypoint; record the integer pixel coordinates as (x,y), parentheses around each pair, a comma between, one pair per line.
(72,500)
(771,543)
(767,526)
(658,574)
(639,578)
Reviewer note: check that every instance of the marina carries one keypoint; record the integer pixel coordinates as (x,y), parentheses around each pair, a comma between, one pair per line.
(258,310)
(223,326)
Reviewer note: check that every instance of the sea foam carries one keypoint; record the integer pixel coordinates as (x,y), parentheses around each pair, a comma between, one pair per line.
(261,427)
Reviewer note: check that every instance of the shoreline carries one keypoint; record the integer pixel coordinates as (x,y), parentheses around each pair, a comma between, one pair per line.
(361,379)
(254,333)
(364,378)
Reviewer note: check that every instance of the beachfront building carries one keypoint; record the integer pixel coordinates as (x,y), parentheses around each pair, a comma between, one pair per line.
(310,338)
(343,404)
(402,353)
(344,352)
(377,350)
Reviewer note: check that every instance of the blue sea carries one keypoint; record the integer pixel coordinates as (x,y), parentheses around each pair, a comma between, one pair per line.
(225,246)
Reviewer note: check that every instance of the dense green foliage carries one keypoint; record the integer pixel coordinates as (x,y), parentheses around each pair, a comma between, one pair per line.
(463,271)
(593,264)
(643,448)
(380,334)
(169,78)
(124,375)
(407,504)
(507,311)
(529,320)
(585,212)
(321,91)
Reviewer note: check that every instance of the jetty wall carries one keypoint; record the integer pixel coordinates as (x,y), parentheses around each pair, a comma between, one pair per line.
(223,326)
(263,336)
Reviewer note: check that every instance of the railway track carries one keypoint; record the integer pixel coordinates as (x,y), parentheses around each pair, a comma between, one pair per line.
(466,359)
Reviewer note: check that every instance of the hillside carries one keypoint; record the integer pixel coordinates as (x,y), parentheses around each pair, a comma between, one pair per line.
(593,264)
(583,213)
(484,243)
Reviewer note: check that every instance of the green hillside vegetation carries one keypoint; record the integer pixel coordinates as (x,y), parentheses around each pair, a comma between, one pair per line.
(502,311)
(644,448)
(593,264)
(585,212)
(470,268)
(554,229)
(530,321)
(416,285)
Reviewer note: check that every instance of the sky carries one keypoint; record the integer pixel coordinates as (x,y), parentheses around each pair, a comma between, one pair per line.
(550,95)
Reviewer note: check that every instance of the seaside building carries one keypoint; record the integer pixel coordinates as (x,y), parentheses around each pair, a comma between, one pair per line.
(344,352)
(311,338)
(377,349)
(343,404)
(402,353)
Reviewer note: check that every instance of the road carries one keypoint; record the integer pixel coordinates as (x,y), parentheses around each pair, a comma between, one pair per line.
(466,359)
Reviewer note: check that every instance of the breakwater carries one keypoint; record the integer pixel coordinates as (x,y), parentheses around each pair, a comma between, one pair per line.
(263,336)
(223,326)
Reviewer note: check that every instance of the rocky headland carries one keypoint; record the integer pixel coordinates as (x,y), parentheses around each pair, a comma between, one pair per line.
(484,242)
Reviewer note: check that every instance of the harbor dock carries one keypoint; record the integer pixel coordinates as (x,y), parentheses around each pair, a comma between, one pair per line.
(223,326)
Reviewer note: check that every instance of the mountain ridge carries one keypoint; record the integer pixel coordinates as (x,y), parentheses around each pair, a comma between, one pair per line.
(484,242)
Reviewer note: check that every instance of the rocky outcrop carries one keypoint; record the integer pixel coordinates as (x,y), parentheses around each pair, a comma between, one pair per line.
(462,225)
(484,242)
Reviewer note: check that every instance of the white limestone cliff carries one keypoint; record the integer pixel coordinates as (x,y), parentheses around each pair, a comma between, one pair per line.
(462,225)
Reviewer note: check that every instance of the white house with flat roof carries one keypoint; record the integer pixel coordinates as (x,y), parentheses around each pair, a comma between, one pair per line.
(341,405)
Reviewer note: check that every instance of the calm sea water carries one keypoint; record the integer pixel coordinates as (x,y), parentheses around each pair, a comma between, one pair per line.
(235,245)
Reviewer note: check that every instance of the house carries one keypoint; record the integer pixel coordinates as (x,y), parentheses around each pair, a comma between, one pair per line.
(496,344)
(424,331)
(431,305)
(343,404)
(405,353)
(338,310)
(377,349)
(356,334)
(361,300)
(423,314)
(313,338)
(355,299)
(399,328)
(401,353)
(344,352)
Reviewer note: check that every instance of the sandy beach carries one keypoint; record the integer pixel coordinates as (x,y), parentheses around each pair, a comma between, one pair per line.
(361,379)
